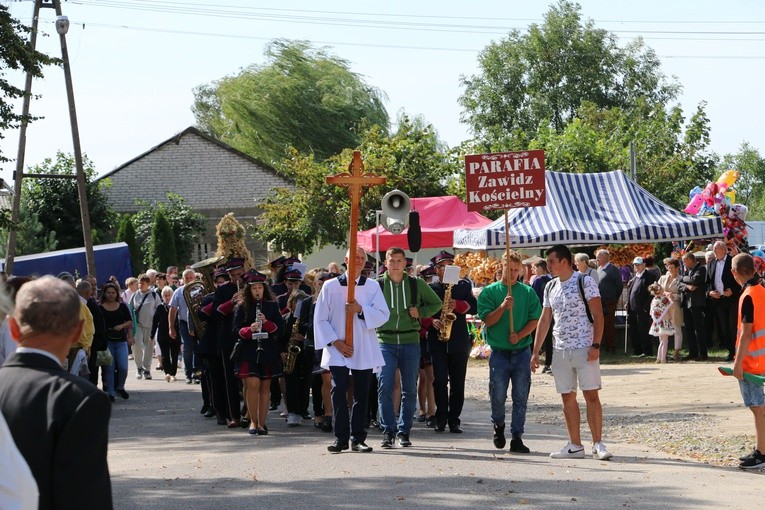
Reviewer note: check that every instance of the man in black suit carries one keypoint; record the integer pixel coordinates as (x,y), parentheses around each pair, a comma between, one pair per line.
(59,421)
(610,286)
(723,289)
(639,308)
(692,287)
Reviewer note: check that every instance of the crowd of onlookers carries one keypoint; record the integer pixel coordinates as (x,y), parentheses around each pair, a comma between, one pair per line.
(692,302)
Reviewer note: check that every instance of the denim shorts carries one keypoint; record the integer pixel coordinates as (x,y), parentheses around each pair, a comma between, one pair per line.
(753,394)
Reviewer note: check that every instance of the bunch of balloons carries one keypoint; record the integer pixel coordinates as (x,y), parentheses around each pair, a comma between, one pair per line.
(719,199)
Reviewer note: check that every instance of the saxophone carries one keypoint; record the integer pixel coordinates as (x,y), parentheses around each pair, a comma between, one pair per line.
(293,348)
(447,316)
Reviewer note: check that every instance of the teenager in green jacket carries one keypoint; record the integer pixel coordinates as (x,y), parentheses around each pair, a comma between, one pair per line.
(408,299)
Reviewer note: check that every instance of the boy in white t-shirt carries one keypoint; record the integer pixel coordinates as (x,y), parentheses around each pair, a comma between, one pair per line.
(573,300)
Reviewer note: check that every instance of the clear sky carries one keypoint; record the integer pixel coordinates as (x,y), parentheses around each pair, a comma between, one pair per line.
(136,62)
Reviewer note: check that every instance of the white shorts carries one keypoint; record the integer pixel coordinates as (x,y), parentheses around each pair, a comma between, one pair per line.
(570,366)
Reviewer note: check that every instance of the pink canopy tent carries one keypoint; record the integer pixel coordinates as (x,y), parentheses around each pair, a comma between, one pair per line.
(439,218)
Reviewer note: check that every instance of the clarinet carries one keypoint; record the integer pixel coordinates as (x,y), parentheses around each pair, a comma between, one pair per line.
(259,336)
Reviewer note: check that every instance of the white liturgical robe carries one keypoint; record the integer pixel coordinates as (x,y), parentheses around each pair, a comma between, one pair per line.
(329,324)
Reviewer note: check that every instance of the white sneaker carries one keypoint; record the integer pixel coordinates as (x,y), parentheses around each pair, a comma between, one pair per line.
(138,374)
(172,378)
(167,378)
(293,420)
(599,451)
(570,451)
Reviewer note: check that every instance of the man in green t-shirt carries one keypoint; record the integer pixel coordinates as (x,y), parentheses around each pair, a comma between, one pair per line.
(510,357)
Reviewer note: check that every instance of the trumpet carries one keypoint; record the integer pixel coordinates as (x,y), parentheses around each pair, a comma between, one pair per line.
(293,349)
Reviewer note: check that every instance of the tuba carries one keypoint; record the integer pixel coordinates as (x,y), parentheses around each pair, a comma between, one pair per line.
(293,349)
(447,316)
(194,292)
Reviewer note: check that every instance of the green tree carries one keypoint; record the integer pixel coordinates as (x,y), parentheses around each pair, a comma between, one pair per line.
(316,214)
(186,226)
(672,154)
(56,203)
(539,79)
(303,98)
(126,233)
(16,54)
(162,245)
(31,235)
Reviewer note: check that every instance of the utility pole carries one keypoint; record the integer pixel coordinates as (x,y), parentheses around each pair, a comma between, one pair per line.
(62,26)
(11,252)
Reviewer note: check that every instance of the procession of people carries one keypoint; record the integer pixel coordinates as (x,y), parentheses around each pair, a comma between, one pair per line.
(240,333)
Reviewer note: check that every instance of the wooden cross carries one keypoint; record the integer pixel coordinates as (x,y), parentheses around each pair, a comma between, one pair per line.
(355,180)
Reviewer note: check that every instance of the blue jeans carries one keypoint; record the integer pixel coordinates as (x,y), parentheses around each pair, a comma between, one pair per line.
(507,367)
(406,358)
(189,348)
(119,352)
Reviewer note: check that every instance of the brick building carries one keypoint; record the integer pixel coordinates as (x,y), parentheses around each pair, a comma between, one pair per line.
(212,177)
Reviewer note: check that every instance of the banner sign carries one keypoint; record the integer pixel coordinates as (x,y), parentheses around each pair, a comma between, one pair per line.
(505,180)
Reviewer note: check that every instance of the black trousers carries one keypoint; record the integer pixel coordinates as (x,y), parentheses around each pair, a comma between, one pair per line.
(350,425)
(230,408)
(296,384)
(726,310)
(694,331)
(449,370)
(217,384)
(276,392)
(372,401)
(642,342)
(170,350)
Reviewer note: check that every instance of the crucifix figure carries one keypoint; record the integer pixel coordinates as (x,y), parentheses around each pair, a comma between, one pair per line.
(355,180)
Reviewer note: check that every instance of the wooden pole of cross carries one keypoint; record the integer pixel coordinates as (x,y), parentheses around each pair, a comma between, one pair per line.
(355,180)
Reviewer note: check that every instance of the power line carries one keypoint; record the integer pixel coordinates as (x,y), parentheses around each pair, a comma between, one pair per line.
(424,16)
(221,11)
(366,45)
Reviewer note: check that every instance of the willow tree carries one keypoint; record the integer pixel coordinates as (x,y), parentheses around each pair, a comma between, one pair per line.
(301,97)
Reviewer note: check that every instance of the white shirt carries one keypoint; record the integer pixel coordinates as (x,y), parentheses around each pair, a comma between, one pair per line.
(329,325)
(719,287)
(18,488)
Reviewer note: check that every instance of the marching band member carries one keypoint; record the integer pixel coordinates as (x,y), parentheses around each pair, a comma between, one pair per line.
(259,359)
(223,306)
(450,357)
(295,380)
(208,348)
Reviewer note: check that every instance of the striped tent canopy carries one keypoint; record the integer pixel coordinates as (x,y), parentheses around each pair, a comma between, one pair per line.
(591,209)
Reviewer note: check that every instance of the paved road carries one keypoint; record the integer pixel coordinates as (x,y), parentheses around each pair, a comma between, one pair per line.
(163,454)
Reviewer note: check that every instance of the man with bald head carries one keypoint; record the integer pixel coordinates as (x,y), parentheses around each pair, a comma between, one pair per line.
(59,421)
